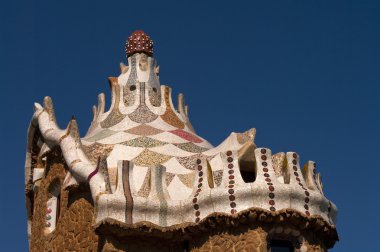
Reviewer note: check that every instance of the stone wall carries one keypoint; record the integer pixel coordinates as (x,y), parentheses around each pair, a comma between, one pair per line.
(74,231)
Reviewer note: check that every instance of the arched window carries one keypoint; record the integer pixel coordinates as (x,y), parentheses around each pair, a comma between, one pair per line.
(53,206)
(281,246)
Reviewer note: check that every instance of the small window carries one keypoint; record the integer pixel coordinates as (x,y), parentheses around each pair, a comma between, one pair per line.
(281,246)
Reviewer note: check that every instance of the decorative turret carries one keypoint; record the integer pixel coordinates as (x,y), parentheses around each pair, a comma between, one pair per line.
(146,166)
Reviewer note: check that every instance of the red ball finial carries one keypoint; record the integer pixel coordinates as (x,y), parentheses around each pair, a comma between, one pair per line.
(139,41)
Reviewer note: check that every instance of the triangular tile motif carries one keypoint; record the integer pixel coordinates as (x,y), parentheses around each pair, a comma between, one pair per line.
(169,178)
(149,158)
(187,179)
(186,135)
(190,147)
(143,115)
(145,187)
(144,142)
(189,162)
(96,150)
(144,130)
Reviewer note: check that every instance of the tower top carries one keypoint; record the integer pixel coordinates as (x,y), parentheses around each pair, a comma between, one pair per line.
(139,41)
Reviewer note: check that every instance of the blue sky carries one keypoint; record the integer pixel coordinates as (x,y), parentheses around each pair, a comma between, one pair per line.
(305,74)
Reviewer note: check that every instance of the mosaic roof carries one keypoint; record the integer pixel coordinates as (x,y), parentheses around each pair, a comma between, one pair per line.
(174,173)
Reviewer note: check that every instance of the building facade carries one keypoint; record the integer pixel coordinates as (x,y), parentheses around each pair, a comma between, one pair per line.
(141,179)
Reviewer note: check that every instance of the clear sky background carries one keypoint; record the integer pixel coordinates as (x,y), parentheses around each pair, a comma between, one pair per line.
(305,74)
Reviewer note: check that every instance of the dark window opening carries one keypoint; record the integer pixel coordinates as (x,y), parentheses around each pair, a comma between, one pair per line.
(247,170)
(132,88)
(155,90)
(281,246)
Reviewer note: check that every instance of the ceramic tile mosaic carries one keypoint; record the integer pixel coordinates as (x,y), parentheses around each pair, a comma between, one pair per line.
(154,167)
(101,135)
(178,190)
(189,162)
(169,138)
(142,115)
(115,116)
(150,158)
(145,187)
(116,138)
(186,135)
(129,90)
(217,175)
(144,130)
(154,86)
(169,116)
(144,142)
(169,177)
(173,166)
(94,151)
(122,152)
(187,179)
(190,147)
(170,149)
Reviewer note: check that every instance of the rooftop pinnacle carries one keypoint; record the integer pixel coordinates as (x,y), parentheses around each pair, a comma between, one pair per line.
(139,41)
